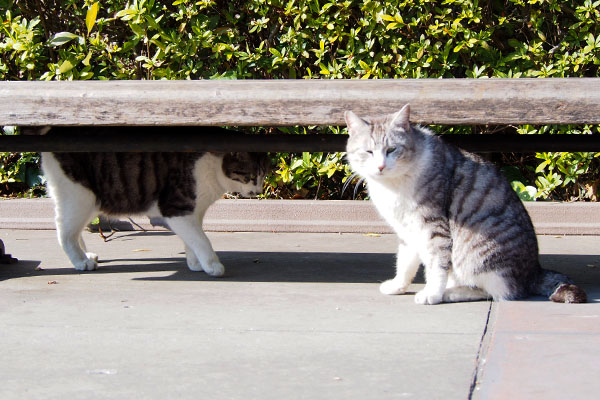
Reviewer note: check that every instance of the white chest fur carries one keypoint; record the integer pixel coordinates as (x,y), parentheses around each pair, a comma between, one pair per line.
(396,203)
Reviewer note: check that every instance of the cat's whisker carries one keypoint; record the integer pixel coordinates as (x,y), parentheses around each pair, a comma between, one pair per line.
(358,185)
(348,182)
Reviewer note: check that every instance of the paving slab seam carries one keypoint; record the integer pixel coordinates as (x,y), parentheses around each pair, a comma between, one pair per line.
(484,345)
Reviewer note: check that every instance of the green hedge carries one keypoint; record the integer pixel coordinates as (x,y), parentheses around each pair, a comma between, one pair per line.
(189,39)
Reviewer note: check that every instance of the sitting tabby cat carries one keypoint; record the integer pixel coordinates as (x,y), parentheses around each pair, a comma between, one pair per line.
(177,186)
(453,212)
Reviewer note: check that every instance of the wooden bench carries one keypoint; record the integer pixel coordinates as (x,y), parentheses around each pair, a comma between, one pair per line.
(200,108)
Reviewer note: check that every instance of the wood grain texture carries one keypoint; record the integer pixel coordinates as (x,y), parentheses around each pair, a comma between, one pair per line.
(299,102)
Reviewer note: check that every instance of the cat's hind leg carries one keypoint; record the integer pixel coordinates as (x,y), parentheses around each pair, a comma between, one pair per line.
(407,265)
(457,293)
(464,293)
(199,252)
(91,256)
(192,260)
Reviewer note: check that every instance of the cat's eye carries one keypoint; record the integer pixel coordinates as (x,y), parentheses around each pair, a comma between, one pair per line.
(370,152)
(390,150)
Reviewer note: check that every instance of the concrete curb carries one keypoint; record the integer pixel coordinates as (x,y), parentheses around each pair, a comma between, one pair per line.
(346,216)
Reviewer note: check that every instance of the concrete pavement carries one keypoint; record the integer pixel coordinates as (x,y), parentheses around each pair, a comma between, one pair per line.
(297,316)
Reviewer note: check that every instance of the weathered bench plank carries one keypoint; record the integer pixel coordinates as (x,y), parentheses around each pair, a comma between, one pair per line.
(299,102)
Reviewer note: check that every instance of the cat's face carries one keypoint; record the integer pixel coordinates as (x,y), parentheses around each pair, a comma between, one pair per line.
(244,173)
(380,148)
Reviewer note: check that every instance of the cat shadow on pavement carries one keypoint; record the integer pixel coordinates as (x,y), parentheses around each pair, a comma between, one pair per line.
(239,266)
(290,267)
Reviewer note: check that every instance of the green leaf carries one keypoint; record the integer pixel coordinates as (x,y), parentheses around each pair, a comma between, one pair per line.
(66,66)
(541,167)
(296,164)
(153,23)
(86,60)
(90,16)
(306,159)
(324,69)
(126,14)
(137,29)
(61,38)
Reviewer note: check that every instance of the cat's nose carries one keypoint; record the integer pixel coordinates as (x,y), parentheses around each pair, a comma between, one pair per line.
(381,168)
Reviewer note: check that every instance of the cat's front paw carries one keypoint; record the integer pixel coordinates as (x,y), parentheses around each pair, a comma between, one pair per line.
(86,265)
(392,287)
(92,256)
(426,297)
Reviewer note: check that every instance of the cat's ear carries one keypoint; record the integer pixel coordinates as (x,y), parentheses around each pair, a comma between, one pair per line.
(354,122)
(401,118)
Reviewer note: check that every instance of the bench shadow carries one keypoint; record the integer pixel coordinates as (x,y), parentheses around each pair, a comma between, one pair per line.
(296,267)
(240,267)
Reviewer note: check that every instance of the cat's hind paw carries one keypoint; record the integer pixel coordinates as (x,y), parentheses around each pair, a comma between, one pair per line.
(215,269)
(425,297)
(194,265)
(392,287)
(87,265)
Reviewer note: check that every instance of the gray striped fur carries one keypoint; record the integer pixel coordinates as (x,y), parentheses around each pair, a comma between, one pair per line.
(453,212)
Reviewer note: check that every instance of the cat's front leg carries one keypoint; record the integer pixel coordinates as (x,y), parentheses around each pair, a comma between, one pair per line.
(407,265)
(438,263)
(433,292)
(199,252)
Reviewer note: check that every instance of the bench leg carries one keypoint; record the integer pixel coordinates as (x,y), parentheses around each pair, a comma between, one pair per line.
(5,258)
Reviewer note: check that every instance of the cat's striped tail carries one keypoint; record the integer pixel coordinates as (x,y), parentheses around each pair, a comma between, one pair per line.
(558,288)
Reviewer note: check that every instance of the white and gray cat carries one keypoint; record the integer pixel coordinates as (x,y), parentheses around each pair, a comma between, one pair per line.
(454,213)
(176,186)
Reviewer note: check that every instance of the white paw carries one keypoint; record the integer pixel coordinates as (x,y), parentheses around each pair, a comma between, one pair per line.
(215,268)
(194,265)
(92,256)
(451,297)
(424,297)
(391,287)
(86,265)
